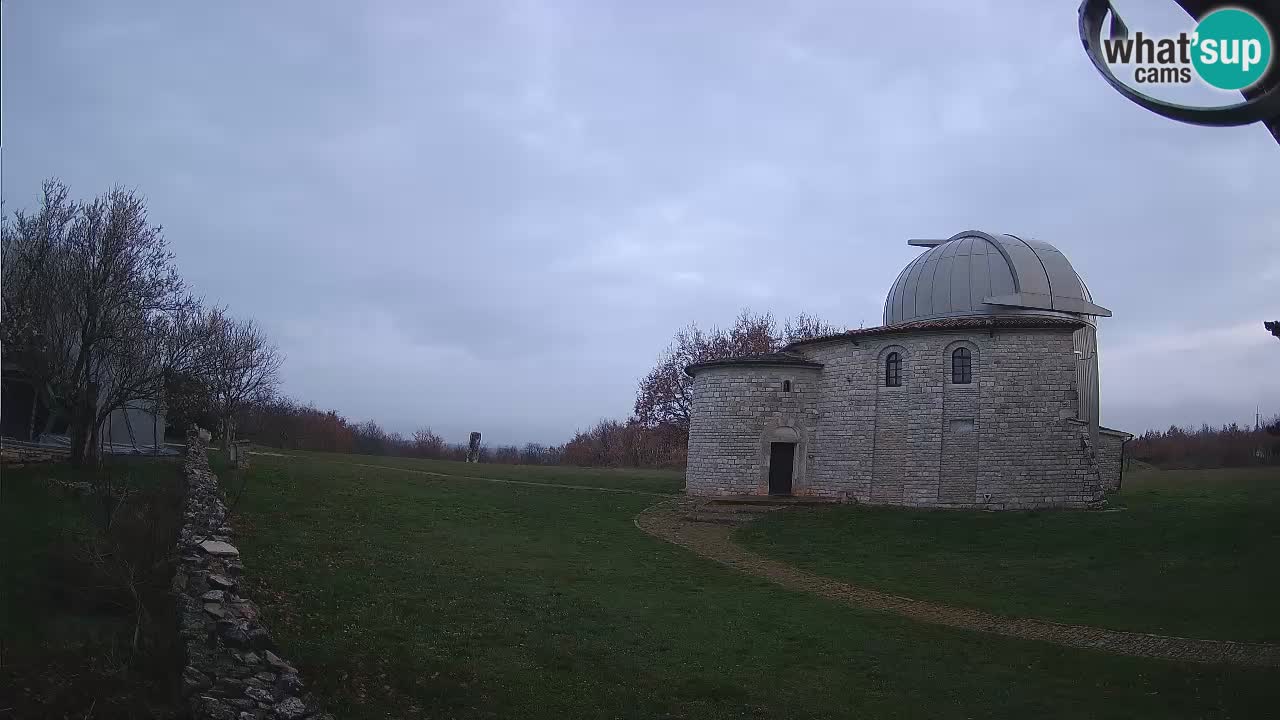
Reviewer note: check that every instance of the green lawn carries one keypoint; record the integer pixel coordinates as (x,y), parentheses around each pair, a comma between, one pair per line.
(653,481)
(406,596)
(67,621)
(1193,553)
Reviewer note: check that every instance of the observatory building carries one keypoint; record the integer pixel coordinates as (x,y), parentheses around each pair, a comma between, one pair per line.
(979,391)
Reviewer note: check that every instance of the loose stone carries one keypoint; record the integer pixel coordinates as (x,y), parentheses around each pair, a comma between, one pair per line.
(274,661)
(221,582)
(258,694)
(219,547)
(291,709)
(289,684)
(194,681)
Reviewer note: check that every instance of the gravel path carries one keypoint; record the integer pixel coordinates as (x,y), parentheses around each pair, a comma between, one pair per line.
(667,521)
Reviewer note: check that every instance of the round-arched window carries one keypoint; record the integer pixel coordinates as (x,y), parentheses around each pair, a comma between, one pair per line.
(893,370)
(962,366)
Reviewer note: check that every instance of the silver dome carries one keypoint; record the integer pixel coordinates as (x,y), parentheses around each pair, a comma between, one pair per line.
(976,273)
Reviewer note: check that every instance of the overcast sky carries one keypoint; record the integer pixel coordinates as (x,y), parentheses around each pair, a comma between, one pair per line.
(493,215)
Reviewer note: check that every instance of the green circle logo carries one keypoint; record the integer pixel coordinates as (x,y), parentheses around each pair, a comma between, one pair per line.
(1233,49)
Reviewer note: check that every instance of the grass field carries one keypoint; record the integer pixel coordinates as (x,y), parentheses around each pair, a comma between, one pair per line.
(67,616)
(1192,553)
(408,595)
(649,481)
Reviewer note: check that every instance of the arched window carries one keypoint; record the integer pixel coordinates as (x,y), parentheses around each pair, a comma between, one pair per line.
(893,370)
(786,386)
(962,366)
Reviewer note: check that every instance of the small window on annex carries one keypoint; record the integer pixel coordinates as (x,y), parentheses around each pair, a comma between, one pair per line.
(962,366)
(786,386)
(893,370)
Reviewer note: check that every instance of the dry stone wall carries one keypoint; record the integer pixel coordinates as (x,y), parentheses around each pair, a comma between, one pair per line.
(232,671)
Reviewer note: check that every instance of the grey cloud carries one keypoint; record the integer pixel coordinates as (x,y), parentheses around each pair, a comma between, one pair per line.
(493,216)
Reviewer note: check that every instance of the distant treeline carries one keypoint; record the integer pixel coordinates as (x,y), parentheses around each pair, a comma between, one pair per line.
(610,443)
(1209,447)
(288,425)
(655,436)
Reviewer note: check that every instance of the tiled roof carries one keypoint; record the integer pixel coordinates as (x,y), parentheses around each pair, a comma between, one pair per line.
(771,358)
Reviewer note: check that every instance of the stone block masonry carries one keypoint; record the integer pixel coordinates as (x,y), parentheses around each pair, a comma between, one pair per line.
(1110,456)
(233,671)
(736,413)
(1010,439)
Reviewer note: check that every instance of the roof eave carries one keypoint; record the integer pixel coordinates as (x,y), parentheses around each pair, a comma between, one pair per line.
(692,370)
(1011,322)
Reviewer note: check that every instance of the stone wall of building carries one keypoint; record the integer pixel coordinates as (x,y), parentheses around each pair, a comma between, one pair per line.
(737,413)
(960,454)
(1032,452)
(1110,456)
(1006,440)
(232,671)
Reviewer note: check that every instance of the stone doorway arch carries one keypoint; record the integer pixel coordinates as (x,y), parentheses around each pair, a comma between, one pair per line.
(782,444)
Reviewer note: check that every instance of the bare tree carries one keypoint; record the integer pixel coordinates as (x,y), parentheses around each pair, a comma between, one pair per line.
(134,372)
(665,397)
(664,394)
(427,444)
(807,327)
(185,342)
(243,367)
(369,438)
(27,243)
(533,454)
(88,284)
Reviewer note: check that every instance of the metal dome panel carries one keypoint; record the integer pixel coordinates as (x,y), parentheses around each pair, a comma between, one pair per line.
(976,273)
